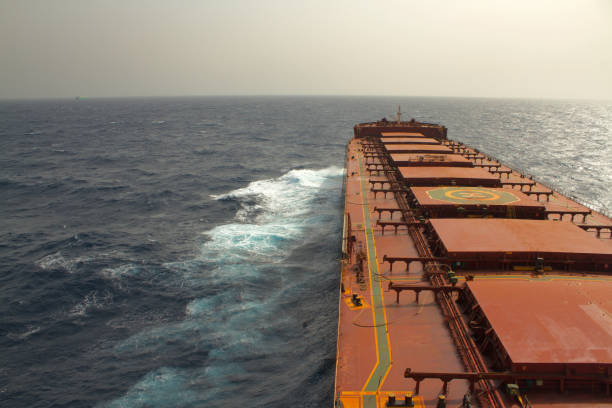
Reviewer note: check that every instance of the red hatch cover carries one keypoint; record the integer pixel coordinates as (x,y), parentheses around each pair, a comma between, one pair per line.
(438,175)
(410,140)
(500,235)
(564,320)
(430,159)
(416,148)
(401,134)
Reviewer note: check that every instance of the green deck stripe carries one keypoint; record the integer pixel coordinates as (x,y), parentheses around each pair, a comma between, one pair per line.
(384,354)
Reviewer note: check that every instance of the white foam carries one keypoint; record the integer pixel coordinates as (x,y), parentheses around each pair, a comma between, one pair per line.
(235,256)
(52,261)
(243,241)
(295,178)
(285,207)
(58,261)
(93,300)
(282,203)
(120,271)
(165,387)
(22,336)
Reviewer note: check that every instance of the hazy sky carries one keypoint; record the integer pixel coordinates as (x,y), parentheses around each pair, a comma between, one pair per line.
(517,48)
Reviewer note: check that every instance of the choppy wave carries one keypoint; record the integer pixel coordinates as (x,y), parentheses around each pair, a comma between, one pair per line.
(94,300)
(58,261)
(62,262)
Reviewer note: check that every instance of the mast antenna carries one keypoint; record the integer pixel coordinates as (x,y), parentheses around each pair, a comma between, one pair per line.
(399,114)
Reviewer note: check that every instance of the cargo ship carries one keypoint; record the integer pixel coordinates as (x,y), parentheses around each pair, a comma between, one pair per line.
(465,282)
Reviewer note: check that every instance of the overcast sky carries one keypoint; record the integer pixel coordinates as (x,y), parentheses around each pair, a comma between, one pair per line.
(497,48)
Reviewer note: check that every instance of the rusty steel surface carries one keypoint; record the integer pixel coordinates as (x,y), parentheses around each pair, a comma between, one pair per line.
(467,196)
(411,140)
(410,159)
(416,148)
(513,235)
(550,321)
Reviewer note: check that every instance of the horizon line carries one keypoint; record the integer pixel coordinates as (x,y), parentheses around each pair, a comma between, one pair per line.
(78,97)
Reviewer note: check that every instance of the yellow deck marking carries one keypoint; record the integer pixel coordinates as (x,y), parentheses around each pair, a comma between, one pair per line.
(351,306)
(383,351)
(352,399)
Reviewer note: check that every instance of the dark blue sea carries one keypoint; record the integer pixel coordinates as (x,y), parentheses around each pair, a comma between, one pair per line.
(183,252)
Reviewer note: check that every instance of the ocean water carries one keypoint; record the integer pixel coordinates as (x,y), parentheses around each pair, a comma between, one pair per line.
(184,251)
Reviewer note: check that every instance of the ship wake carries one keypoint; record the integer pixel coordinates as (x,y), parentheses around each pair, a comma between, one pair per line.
(256,283)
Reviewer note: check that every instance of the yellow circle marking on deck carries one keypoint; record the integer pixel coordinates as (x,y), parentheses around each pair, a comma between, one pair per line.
(472,195)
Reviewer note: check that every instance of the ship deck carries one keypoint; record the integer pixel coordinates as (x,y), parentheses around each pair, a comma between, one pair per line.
(374,340)
(381,333)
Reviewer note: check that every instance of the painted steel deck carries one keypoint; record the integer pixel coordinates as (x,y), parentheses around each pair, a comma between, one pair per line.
(372,341)
(469,325)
